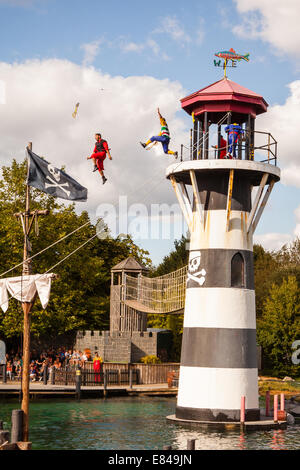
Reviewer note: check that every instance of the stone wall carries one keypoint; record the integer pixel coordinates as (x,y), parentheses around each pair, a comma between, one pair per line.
(118,346)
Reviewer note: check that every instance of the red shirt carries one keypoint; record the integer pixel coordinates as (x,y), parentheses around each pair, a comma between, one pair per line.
(223,144)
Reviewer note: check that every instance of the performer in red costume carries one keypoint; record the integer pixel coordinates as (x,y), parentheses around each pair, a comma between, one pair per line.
(97,364)
(223,145)
(99,155)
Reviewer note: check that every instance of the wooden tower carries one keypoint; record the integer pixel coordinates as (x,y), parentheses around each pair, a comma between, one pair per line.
(122,317)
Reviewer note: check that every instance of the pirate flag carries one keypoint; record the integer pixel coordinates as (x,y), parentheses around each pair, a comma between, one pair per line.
(44,176)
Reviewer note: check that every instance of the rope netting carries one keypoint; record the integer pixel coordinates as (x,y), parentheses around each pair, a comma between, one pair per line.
(162,294)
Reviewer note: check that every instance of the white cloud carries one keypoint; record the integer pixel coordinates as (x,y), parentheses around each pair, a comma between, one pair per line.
(297,228)
(91,51)
(40,99)
(171,26)
(132,47)
(276,22)
(273,241)
(283,122)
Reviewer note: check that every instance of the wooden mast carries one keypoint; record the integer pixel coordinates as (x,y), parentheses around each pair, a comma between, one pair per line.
(27,218)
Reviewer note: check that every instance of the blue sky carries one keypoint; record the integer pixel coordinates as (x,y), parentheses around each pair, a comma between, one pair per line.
(116,44)
(52,28)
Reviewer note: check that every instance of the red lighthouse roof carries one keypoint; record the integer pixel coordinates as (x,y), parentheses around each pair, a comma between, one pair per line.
(223,96)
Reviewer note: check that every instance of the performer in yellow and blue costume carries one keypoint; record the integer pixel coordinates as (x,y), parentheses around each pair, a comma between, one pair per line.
(163,137)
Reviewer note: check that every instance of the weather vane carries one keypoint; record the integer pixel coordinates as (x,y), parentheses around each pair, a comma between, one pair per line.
(227,56)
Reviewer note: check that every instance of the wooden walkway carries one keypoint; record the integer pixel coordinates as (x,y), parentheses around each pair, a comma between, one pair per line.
(39,390)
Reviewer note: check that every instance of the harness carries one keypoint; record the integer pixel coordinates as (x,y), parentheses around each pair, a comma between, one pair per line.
(100,146)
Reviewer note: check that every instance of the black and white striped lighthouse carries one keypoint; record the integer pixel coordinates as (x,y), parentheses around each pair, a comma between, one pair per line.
(222,200)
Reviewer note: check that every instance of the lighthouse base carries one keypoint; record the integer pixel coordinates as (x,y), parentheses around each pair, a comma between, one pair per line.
(214,415)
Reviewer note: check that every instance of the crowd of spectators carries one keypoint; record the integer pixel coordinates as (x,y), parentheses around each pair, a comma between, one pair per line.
(61,359)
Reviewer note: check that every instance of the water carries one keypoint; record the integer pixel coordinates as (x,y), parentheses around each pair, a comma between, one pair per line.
(131,423)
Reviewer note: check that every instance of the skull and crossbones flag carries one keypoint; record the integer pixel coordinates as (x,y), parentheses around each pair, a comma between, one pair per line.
(44,176)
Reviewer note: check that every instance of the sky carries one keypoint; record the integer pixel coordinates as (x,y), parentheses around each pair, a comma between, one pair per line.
(121,60)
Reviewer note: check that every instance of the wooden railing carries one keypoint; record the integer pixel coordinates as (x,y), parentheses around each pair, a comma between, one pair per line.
(117,374)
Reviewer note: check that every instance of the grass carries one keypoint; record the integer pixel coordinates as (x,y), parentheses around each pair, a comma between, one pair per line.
(277,386)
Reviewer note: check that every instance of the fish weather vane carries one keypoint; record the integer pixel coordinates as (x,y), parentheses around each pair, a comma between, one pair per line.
(230,55)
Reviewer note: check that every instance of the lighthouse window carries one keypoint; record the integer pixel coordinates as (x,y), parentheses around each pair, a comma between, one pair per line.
(237,271)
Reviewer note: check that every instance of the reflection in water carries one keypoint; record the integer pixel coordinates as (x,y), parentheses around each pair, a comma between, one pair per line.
(132,423)
(278,442)
(242,441)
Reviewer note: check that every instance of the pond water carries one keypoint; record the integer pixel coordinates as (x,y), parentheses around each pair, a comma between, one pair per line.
(131,423)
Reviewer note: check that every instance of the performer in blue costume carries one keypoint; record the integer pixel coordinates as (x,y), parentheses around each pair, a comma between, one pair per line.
(234,132)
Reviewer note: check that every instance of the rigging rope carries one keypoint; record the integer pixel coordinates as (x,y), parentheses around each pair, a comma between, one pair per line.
(44,249)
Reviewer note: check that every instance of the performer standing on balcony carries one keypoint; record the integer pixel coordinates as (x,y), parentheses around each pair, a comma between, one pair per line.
(234,133)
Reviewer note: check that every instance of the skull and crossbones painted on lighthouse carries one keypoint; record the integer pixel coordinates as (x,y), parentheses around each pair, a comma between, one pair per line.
(54,177)
(194,272)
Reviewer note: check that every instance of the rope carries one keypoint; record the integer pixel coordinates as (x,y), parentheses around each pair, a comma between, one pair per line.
(44,249)
(204,137)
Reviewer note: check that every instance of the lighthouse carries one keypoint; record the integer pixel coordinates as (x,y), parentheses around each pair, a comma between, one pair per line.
(222,200)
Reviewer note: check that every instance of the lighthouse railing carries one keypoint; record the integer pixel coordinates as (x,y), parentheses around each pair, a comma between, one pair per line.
(265,151)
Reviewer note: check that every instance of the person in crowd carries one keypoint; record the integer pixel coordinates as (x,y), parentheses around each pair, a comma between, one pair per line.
(97,365)
(9,370)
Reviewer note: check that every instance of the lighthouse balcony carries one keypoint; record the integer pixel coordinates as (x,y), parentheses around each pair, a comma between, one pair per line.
(259,146)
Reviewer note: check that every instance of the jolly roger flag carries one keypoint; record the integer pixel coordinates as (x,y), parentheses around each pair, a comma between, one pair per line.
(44,176)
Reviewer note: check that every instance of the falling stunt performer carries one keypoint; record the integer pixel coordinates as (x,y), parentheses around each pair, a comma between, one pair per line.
(163,137)
(99,155)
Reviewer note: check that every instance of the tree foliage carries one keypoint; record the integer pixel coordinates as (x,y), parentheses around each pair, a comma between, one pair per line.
(279,326)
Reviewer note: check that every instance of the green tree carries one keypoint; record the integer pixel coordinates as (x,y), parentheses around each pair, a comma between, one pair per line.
(266,268)
(279,326)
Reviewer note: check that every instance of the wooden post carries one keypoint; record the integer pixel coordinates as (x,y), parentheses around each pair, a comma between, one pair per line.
(243,410)
(45,374)
(219,141)
(78,382)
(195,140)
(206,136)
(52,381)
(229,198)
(16,425)
(190,444)
(282,401)
(201,137)
(4,437)
(275,408)
(4,378)
(26,364)
(268,403)
(105,383)
(27,306)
